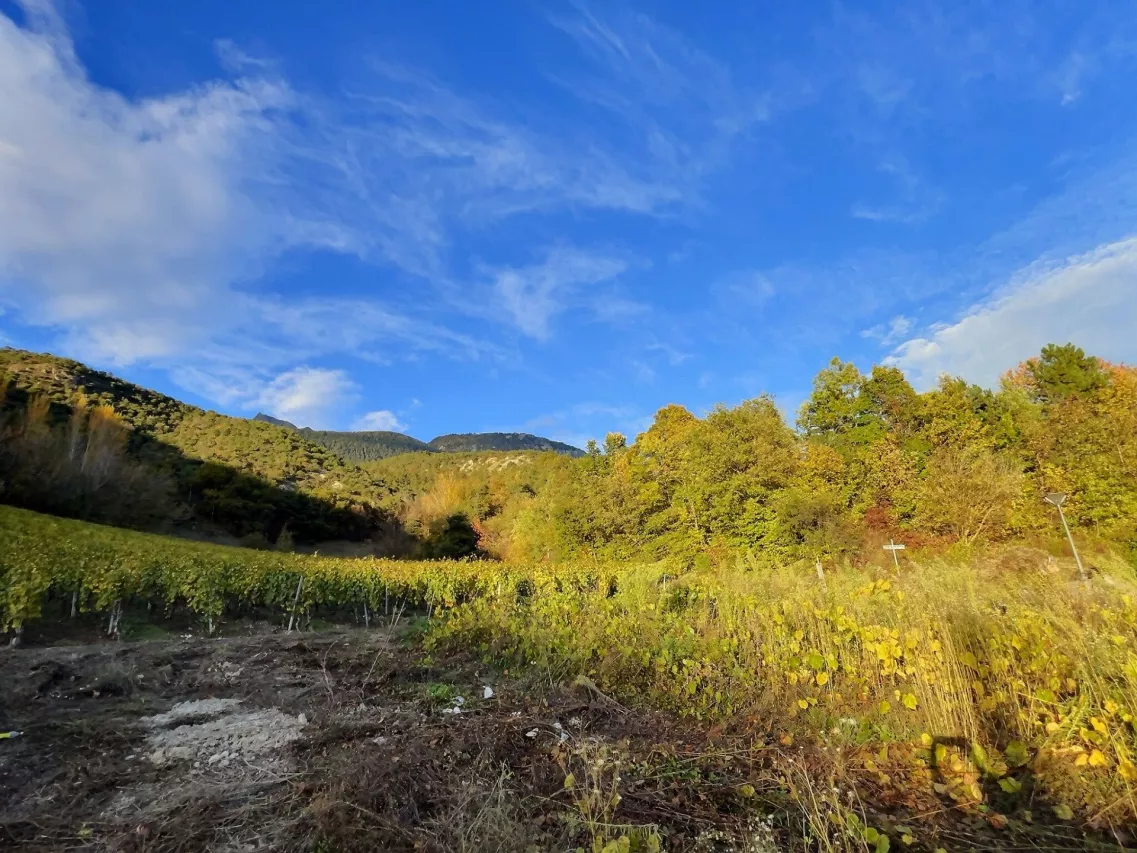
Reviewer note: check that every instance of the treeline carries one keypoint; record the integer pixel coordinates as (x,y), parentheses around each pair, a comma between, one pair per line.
(870,459)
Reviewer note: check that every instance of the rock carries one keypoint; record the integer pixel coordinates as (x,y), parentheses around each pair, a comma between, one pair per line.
(157,757)
(302,720)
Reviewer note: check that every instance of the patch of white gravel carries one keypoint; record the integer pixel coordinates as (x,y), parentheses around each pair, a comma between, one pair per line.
(225,735)
(191,710)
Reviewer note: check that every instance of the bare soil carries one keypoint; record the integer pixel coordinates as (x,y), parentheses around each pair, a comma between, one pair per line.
(349,740)
(334,741)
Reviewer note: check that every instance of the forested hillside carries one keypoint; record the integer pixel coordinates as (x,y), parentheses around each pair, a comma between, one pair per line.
(372,445)
(478,441)
(362,446)
(490,492)
(871,459)
(81,442)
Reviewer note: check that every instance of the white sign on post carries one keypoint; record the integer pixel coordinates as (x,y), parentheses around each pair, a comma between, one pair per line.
(893,547)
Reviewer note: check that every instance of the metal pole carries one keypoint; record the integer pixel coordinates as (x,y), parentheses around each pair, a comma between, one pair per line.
(1073,547)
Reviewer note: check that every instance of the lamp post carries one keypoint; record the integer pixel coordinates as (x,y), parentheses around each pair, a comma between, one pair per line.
(1057,499)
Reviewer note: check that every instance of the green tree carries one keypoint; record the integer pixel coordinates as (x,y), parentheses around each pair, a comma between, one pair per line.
(1062,371)
(835,407)
(967,494)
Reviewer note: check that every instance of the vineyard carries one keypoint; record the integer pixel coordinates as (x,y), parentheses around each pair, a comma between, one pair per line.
(1005,686)
(99,568)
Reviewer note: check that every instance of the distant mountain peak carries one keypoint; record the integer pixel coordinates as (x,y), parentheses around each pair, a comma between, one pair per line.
(367,445)
(473,442)
(269,419)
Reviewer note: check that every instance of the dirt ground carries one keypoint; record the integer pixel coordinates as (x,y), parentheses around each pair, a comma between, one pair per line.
(349,740)
(329,741)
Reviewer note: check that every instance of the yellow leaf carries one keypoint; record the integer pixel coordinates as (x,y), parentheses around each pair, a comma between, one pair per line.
(909,701)
(1063,812)
(1098,759)
(822,679)
(801,703)
(885,707)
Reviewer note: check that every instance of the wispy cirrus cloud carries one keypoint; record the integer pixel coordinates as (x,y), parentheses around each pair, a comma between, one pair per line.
(912,200)
(892,332)
(681,109)
(530,297)
(929,52)
(133,227)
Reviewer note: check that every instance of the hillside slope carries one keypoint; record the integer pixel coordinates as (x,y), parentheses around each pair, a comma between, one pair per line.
(365,446)
(248,477)
(479,441)
(371,446)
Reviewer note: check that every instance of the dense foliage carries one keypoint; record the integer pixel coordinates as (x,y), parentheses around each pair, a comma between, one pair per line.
(493,491)
(871,459)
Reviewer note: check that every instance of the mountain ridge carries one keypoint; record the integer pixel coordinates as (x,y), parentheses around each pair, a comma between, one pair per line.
(372,445)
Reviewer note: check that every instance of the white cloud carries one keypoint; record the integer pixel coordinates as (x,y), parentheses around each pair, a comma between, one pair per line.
(1090,300)
(892,332)
(532,296)
(118,220)
(382,420)
(133,228)
(308,396)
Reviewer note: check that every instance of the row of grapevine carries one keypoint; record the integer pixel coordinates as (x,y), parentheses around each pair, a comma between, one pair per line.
(99,566)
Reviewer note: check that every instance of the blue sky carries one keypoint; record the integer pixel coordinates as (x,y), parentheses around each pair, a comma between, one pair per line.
(557,217)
